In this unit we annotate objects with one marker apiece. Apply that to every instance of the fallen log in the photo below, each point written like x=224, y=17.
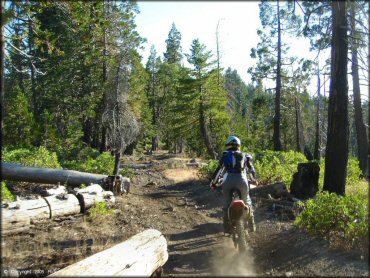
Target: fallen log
x=60, y=189
x=141, y=255
x=36, y=209
x=15, y=172
x=14, y=220
x=62, y=205
x=94, y=193
x=276, y=190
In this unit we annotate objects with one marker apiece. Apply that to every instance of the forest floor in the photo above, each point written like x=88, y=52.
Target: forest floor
x=169, y=196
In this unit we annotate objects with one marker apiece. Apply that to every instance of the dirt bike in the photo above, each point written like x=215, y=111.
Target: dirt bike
x=238, y=213
x=238, y=216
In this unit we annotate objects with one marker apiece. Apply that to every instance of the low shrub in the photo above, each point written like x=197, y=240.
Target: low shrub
x=6, y=195
x=207, y=171
x=355, y=184
x=330, y=213
x=274, y=166
x=127, y=172
x=38, y=157
x=103, y=164
x=101, y=208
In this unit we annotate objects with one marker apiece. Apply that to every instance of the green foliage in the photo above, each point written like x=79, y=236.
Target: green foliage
x=6, y=195
x=271, y=166
x=101, y=208
x=354, y=182
x=103, y=164
x=353, y=172
x=206, y=171
x=19, y=121
x=127, y=172
x=38, y=157
x=330, y=213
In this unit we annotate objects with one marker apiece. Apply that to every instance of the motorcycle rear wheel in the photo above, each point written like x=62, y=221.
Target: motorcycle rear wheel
x=241, y=233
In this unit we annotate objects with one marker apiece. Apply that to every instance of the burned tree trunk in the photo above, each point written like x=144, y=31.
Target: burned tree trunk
x=317, y=153
x=305, y=182
x=336, y=153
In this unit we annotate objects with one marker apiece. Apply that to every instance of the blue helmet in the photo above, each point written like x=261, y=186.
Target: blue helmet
x=233, y=141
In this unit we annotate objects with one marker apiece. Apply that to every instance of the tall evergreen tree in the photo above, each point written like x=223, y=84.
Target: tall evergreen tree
x=270, y=51
x=199, y=58
x=173, y=53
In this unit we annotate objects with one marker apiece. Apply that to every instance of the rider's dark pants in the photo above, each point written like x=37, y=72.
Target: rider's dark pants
x=235, y=181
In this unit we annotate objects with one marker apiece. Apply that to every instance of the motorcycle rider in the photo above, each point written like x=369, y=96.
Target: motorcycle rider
x=235, y=177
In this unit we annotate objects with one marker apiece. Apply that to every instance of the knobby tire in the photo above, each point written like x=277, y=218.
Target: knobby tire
x=240, y=231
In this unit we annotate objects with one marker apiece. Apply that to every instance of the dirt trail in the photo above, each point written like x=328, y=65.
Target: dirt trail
x=168, y=196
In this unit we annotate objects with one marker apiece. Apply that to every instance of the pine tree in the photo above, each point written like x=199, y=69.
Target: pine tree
x=173, y=53
x=271, y=50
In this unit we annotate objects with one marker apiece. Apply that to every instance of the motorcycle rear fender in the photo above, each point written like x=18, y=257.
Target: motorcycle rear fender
x=237, y=205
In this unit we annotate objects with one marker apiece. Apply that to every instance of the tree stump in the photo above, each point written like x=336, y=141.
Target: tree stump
x=305, y=183
x=141, y=255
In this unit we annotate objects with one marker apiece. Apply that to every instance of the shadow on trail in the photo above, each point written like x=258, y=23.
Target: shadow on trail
x=195, y=190
x=206, y=251
x=190, y=251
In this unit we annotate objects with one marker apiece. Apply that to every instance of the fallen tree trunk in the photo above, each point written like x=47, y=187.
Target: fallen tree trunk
x=276, y=190
x=15, y=172
x=60, y=189
x=94, y=193
x=14, y=220
x=17, y=216
x=141, y=255
x=62, y=205
x=36, y=209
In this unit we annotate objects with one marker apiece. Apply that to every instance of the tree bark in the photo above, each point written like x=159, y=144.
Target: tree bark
x=103, y=143
x=67, y=205
x=141, y=255
x=204, y=132
x=299, y=126
x=316, y=153
x=276, y=135
x=305, y=183
x=362, y=144
x=117, y=162
x=336, y=153
x=14, y=221
x=2, y=7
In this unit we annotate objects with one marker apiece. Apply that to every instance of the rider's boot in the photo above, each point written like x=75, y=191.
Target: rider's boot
x=226, y=223
x=251, y=225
